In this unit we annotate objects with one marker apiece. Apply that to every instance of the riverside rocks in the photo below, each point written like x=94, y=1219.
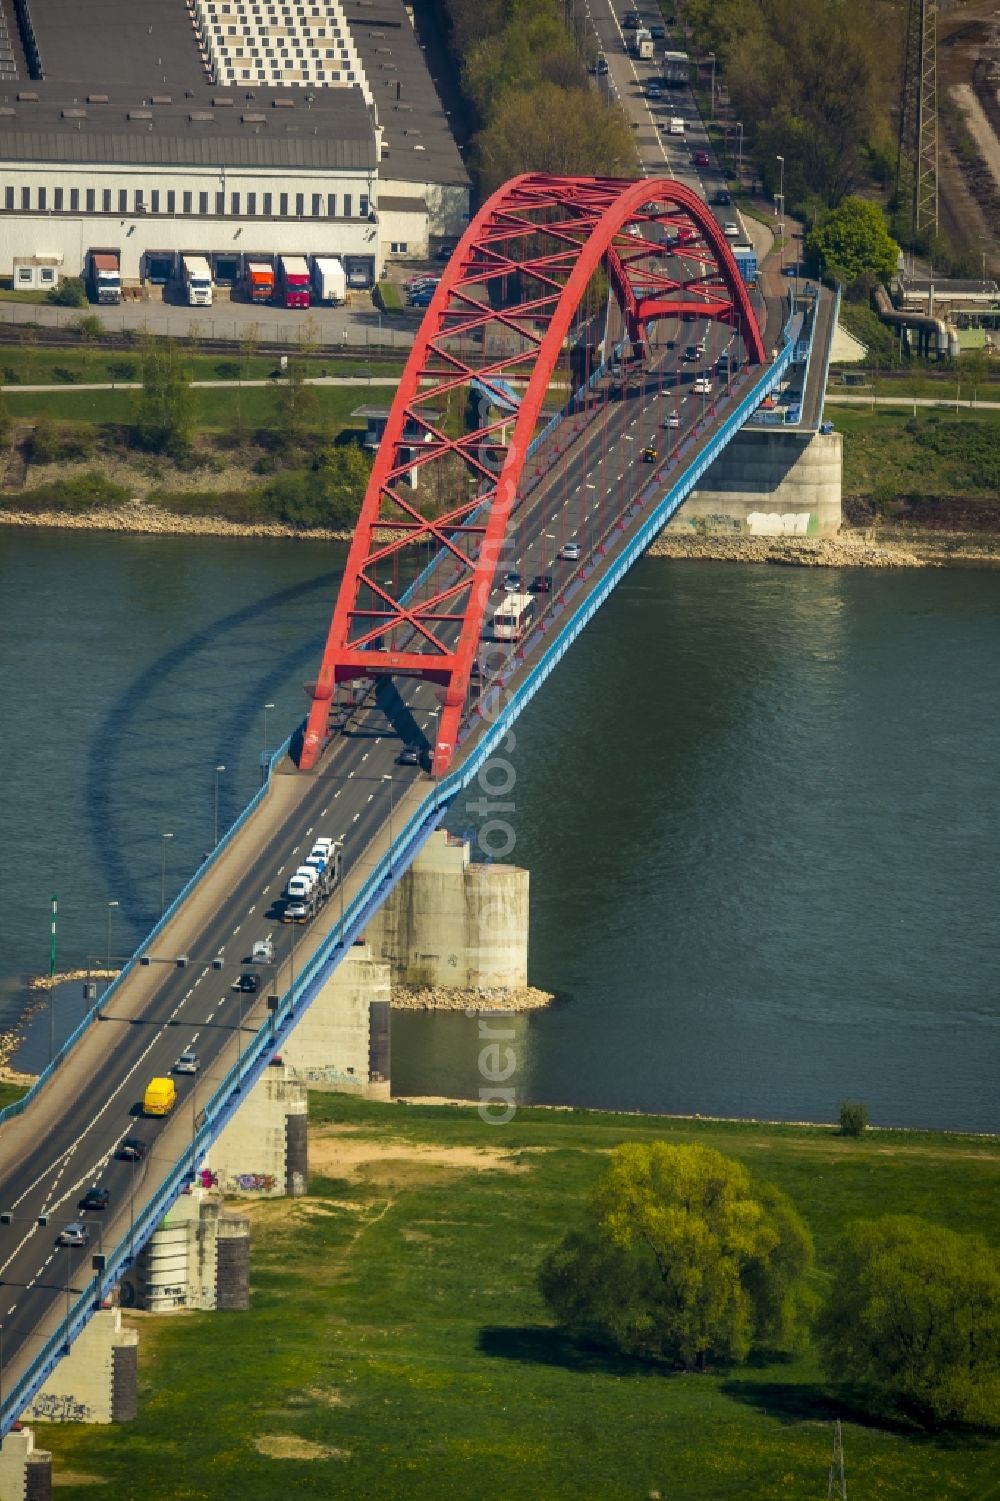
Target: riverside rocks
x=440, y=998
x=141, y=518
x=800, y=552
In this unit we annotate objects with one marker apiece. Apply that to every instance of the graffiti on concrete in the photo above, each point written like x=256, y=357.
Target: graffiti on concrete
x=208, y=1179
x=60, y=1407
x=255, y=1182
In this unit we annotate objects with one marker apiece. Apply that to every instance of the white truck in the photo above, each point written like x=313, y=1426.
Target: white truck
x=329, y=280
x=641, y=45
x=197, y=277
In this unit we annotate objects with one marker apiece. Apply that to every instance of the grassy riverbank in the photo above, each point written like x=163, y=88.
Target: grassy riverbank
x=397, y=1346
x=936, y=468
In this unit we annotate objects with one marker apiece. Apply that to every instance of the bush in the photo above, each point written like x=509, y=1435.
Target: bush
x=60, y=442
x=228, y=370
x=853, y=1117
x=89, y=326
x=70, y=292
x=83, y=492
x=122, y=369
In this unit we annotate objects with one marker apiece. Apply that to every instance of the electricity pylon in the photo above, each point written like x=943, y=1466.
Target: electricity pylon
x=917, y=147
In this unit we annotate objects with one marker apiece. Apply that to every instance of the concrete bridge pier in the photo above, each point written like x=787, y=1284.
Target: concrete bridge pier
x=769, y=482
x=25, y=1472
x=97, y=1381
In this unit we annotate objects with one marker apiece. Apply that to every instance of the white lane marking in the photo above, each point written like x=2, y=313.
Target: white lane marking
x=370, y=796
x=355, y=818
x=266, y=889
x=323, y=814
x=252, y=909
x=89, y=1127
x=308, y=832
x=338, y=792
x=591, y=487
x=350, y=773
x=365, y=756
x=237, y=929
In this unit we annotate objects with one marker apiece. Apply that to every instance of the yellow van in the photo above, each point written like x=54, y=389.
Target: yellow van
x=159, y=1097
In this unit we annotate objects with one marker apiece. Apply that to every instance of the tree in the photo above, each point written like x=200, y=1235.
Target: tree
x=547, y=129
x=294, y=405
x=852, y=241
x=328, y=493
x=684, y=1260
x=164, y=409
x=853, y=1117
x=912, y=1322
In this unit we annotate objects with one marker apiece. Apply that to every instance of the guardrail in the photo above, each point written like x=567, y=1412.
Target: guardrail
x=386, y=872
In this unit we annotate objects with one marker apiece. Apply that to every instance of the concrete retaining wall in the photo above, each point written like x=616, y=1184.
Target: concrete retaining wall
x=769, y=483
x=25, y=1472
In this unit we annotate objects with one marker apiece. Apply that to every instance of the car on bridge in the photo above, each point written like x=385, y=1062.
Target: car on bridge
x=132, y=1149
x=731, y=230
x=512, y=580
x=702, y=386
x=570, y=552
x=649, y=454
x=409, y=756
x=96, y=1197
x=672, y=419
x=541, y=583
x=73, y=1235
x=248, y=982
x=188, y=1063
x=631, y=20
x=702, y=159
x=658, y=31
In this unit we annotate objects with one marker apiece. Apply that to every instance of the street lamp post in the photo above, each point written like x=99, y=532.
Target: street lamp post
x=218, y=772
x=739, y=157
x=164, y=839
x=781, y=199
x=711, y=57
x=339, y=847
x=263, y=758
x=387, y=778
x=107, y=956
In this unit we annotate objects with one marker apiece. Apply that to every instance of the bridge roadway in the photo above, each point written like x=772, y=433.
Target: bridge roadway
x=66, y=1139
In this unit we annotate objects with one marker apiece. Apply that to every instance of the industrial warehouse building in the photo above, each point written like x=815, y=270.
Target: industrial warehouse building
x=225, y=128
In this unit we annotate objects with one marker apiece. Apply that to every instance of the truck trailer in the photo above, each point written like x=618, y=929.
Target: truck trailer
x=258, y=279
x=293, y=281
x=104, y=276
x=196, y=275
x=676, y=68
x=641, y=45
x=329, y=280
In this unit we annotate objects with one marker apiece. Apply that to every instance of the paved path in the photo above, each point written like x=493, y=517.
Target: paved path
x=970, y=404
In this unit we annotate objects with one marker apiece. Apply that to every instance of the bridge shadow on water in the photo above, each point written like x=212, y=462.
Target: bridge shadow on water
x=120, y=731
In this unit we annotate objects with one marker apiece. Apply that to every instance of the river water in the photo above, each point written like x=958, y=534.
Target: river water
x=759, y=807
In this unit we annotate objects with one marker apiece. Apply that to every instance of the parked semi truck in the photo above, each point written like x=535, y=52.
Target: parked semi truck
x=104, y=276
x=293, y=281
x=329, y=280
x=259, y=281
x=197, y=277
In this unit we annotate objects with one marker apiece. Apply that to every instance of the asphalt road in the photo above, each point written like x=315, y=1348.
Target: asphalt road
x=573, y=490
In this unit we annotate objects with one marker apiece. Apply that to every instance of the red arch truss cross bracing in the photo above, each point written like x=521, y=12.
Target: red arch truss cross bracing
x=445, y=481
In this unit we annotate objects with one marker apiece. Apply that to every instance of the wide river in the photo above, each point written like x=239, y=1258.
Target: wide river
x=759, y=807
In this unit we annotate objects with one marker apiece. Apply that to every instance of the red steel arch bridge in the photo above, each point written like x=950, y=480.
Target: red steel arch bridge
x=551, y=276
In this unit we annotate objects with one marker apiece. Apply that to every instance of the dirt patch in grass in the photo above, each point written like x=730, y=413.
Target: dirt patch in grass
x=288, y=1446
x=76, y=1477
x=339, y=1154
